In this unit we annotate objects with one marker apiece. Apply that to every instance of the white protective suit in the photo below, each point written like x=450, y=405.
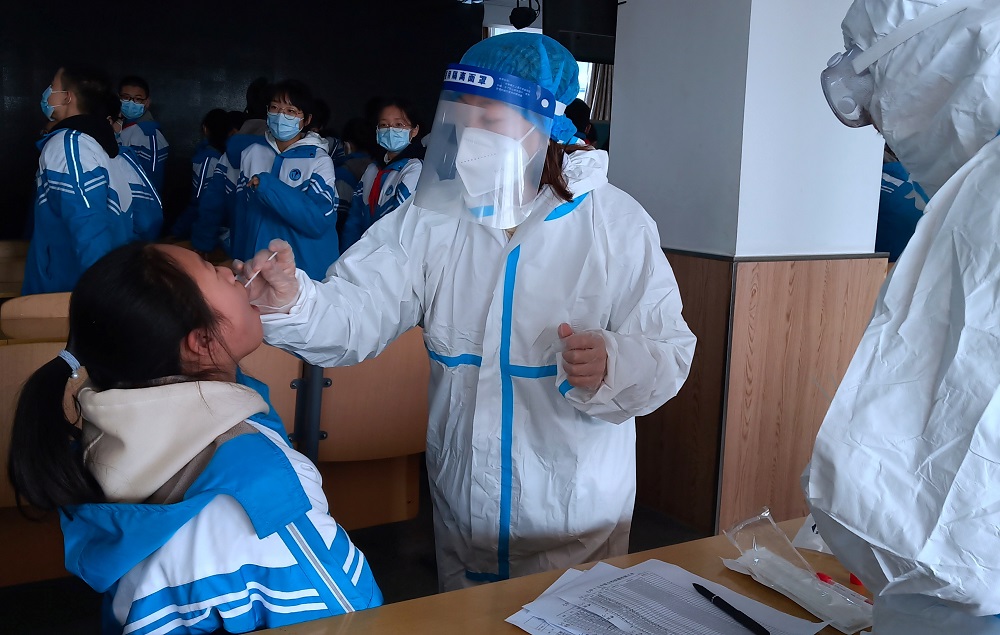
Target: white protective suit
x=526, y=473
x=904, y=481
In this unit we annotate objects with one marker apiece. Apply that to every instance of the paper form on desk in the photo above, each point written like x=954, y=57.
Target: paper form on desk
x=535, y=625
x=655, y=598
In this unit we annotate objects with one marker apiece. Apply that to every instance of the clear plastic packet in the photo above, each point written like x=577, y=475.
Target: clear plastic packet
x=768, y=557
x=809, y=538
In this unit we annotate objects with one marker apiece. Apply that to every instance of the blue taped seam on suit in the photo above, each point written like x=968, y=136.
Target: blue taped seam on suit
x=566, y=208
x=452, y=361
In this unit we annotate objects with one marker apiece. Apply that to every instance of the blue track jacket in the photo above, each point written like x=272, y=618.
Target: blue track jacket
x=142, y=202
x=149, y=145
x=203, y=164
x=295, y=201
x=77, y=215
x=250, y=546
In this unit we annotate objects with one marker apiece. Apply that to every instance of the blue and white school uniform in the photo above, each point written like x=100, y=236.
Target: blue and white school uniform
x=217, y=204
x=144, y=204
x=382, y=190
x=150, y=146
x=249, y=544
x=206, y=157
x=78, y=215
x=295, y=201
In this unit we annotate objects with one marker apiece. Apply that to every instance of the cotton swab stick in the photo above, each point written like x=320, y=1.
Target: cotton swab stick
x=256, y=273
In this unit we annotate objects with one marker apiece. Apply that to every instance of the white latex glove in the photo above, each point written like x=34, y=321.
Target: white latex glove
x=275, y=289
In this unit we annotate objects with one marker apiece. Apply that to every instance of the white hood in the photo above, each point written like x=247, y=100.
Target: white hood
x=936, y=95
x=135, y=440
x=585, y=171
x=308, y=139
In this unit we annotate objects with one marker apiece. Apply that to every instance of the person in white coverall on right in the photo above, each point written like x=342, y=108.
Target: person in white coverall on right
x=904, y=482
x=550, y=315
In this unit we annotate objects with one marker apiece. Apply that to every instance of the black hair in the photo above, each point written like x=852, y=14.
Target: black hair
x=579, y=113
x=237, y=119
x=357, y=132
x=134, y=80
x=113, y=105
x=321, y=115
x=128, y=316
x=409, y=111
x=258, y=95
x=90, y=86
x=218, y=124
x=297, y=94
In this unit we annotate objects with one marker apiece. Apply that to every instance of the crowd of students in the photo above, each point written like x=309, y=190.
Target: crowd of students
x=273, y=170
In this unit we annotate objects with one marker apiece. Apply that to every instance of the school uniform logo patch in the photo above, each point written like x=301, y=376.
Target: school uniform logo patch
x=295, y=174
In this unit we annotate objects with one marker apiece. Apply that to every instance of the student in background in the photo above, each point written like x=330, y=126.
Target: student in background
x=213, y=227
x=137, y=197
x=77, y=216
x=900, y=206
x=579, y=113
x=141, y=132
x=227, y=525
x=392, y=177
x=216, y=128
x=321, y=126
x=350, y=168
x=285, y=186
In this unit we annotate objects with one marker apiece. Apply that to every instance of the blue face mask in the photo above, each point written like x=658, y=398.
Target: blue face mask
x=283, y=127
x=132, y=110
x=393, y=139
x=47, y=108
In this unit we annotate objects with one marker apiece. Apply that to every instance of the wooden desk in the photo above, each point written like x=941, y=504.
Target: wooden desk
x=483, y=609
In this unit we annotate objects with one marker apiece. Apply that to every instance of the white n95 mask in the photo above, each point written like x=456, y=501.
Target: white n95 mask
x=488, y=161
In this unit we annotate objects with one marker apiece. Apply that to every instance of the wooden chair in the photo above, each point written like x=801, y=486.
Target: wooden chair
x=29, y=550
x=42, y=316
x=13, y=255
x=375, y=417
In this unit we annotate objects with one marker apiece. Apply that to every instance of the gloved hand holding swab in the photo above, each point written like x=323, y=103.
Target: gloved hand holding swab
x=257, y=273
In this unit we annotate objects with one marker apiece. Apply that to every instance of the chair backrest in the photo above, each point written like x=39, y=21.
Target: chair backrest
x=378, y=408
x=13, y=256
x=42, y=316
x=13, y=249
x=277, y=369
x=18, y=360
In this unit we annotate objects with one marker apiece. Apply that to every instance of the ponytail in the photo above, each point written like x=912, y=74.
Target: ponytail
x=45, y=464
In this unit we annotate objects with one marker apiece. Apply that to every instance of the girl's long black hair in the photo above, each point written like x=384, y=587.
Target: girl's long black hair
x=128, y=315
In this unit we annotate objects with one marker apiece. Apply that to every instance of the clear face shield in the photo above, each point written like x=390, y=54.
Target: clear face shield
x=486, y=149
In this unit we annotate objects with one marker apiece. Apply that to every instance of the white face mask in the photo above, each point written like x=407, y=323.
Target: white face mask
x=487, y=161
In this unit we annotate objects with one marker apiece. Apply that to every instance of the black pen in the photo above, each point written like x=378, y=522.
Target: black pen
x=732, y=611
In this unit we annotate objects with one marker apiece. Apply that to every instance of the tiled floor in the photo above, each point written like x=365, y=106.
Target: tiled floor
x=401, y=556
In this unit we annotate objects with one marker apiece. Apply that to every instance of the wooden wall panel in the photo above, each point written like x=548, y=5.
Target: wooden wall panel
x=795, y=327
x=678, y=445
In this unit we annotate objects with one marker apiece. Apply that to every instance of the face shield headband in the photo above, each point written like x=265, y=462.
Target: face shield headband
x=847, y=81
x=486, y=150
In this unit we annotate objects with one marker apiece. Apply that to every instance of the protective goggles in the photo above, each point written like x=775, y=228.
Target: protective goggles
x=847, y=81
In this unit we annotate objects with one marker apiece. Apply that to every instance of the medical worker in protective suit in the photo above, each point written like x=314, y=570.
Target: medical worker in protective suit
x=550, y=315
x=904, y=481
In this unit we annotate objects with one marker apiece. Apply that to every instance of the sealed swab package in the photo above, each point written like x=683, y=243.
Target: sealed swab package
x=768, y=557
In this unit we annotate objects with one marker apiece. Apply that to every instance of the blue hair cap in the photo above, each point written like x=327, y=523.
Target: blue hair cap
x=536, y=58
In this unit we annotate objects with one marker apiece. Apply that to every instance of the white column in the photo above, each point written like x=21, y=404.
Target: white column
x=721, y=131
